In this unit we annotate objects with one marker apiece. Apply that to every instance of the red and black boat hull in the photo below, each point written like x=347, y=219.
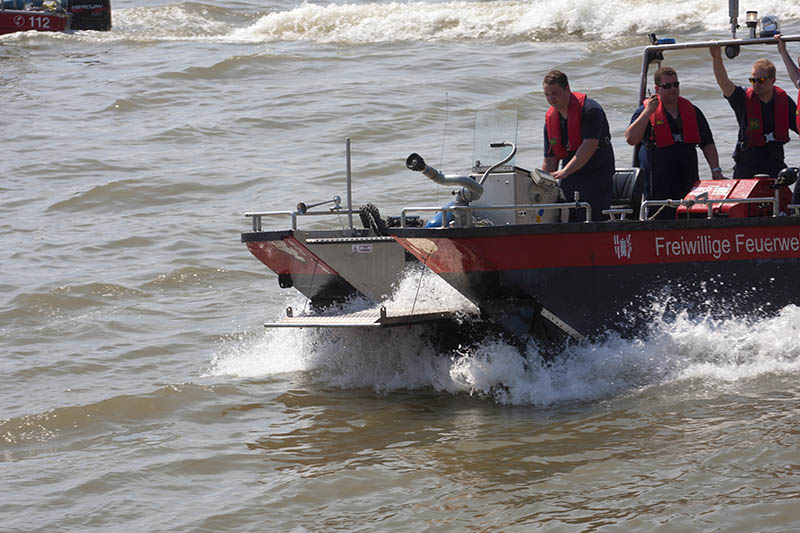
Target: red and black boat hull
x=298, y=267
x=604, y=275
x=330, y=266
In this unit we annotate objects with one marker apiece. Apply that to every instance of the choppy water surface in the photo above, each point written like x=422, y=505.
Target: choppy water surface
x=140, y=391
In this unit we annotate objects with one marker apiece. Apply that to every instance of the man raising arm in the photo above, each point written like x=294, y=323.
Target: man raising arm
x=791, y=68
x=765, y=114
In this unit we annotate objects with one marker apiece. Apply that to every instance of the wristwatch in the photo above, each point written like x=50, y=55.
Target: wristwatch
x=716, y=169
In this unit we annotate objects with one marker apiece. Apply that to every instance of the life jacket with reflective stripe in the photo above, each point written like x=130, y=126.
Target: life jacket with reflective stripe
x=553, y=122
x=755, y=124
x=690, y=132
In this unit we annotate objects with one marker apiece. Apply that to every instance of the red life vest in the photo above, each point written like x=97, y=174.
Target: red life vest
x=689, y=129
x=553, y=121
x=754, y=135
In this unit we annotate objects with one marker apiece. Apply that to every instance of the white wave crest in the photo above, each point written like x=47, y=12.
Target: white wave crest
x=421, y=290
x=171, y=22
x=495, y=21
x=461, y=21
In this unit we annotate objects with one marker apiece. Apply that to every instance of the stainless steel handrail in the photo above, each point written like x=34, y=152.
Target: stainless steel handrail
x=708, y=202
x=469, y=209
x=256, y=215
x=648, y=51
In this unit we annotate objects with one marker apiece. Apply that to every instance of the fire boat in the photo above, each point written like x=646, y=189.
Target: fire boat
x=506, y=245
x=54, y=15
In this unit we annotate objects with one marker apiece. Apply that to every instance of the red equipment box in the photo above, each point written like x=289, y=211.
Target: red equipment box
x=734, y=189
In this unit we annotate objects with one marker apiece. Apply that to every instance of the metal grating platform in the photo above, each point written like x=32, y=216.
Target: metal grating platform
x=369, y=318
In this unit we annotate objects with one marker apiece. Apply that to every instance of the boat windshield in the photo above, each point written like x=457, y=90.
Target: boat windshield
x=494, y=126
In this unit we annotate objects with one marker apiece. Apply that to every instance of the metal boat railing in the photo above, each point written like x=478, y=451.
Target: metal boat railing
x=257, y=215
x=710, y=203
x=468, y=209
x=652, y=53
x=461, y=209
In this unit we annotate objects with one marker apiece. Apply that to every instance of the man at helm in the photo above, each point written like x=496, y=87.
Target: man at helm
x=765, y=114
x=576, y=135
x=667, y=128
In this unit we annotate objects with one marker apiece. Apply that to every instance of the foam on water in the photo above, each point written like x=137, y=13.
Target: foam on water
x=493, y=21
x=421, y=290
x=296, y=350
x=378, y=22
x=674, y=348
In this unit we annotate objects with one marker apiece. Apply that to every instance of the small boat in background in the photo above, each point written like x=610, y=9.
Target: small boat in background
x=54, y=15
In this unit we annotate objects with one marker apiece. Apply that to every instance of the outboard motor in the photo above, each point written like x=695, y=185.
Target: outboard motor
x=90, y=14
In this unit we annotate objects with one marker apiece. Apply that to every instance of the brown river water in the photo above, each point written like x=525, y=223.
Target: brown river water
x=140, y=391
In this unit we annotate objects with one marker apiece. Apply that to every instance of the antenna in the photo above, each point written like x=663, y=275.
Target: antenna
x=444, y=136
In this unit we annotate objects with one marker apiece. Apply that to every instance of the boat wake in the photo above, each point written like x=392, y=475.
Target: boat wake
x=419, y=21
x=502, y=21
x=673, y=348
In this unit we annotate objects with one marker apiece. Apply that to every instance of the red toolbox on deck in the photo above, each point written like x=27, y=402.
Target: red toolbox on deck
x=733, y=189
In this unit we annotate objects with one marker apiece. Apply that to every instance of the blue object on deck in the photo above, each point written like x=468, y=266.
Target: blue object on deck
x=436, y=220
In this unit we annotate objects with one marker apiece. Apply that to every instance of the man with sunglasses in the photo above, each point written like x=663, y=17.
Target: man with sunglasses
x=667, y=129
x=765, y=114
x=576, y=134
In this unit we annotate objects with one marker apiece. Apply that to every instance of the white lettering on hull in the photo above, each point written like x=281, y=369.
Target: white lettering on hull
x=705, y=245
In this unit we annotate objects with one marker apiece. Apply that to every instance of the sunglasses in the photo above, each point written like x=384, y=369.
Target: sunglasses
x=760, y=79
x=675, y=84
